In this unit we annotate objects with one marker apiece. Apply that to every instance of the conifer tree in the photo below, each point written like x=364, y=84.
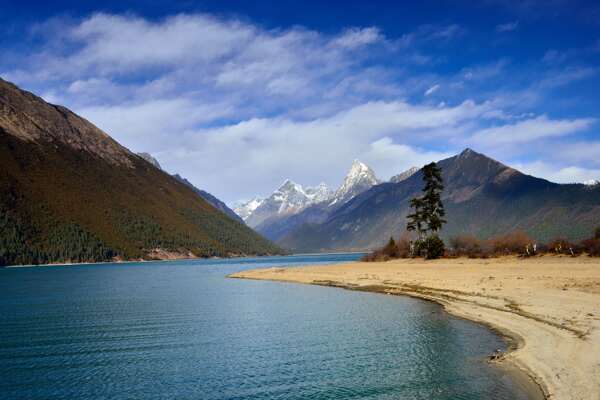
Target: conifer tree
x=428, y=213
x=416, y=220
x=432, y=202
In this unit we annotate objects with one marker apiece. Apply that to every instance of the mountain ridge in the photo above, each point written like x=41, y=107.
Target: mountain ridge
x=69, y=192
x=482, y=197
x=211, y=199
x=273, y=225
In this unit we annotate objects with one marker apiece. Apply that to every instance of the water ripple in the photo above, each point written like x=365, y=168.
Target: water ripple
x=181, y=330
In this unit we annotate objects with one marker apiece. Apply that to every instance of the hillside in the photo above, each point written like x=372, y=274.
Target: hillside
x=209, y=198
x=482, y=197
x=68, y=192
x=212, y=200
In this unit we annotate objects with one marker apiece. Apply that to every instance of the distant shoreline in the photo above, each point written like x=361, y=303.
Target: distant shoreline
x=547, y=306
x=67, y=264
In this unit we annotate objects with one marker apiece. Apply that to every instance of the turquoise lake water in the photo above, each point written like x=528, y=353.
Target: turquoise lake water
x=182, y=330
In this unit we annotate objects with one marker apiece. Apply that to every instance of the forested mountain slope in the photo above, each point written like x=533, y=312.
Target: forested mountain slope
x=69, y=192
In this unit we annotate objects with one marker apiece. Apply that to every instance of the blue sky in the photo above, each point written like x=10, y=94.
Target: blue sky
x=238, y=96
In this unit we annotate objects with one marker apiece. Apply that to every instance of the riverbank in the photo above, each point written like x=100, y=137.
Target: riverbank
x=549, y=305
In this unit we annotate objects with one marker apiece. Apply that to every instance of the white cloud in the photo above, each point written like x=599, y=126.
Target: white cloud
x=432, y=90
x=530, y=130
x=389, y=158
x=563, y=174
x=237, y=108
x=507, y=27
x=585, y=152
x=358, y=37
x=268, y=150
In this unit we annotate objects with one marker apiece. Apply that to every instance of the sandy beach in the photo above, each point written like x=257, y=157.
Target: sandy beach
x=549, y=305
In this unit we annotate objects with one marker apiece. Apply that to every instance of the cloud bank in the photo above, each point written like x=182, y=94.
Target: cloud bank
x=237, y=108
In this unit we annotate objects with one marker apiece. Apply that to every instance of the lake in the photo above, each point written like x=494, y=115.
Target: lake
x=182, y=330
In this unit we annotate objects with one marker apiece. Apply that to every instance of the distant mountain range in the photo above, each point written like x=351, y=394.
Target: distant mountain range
x=69, y=192
x=291, y=205
x=482, y=197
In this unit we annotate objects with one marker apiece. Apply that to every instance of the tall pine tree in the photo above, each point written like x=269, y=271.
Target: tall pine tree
x=428, y=213
x=432, y=198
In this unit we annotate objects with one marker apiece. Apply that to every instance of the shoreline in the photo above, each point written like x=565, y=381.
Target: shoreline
x=545, y=307
x=68, y=264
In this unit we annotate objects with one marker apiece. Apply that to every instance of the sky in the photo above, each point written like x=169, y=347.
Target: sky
x=238, y=96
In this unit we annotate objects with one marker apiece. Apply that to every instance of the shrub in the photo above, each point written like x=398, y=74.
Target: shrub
x=592, y=247
x=390, y=248
x=393, y=249
x=403, y=246
x=432, y=247
x=516, y=242
x=562, y=246
x=371, y=257
x=468, y=245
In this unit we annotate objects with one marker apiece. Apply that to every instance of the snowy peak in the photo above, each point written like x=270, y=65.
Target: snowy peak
x=289, y=186
x=359, y=178
x=289, y=197
x=246, y=208
x=404, y=175
x=358, y=168
x=319, y=193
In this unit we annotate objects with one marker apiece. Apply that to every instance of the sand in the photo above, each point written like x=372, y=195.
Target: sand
x=549, y=305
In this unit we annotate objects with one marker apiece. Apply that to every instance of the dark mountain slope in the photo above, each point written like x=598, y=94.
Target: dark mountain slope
x=212, y=200
x=482, y=197
x=276, y=227
x=68, y=192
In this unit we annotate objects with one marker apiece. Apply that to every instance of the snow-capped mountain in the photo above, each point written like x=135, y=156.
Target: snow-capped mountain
x=245, y=208
x=319, y=193
x=359, y=178
x=289, y=198
x=404, y=175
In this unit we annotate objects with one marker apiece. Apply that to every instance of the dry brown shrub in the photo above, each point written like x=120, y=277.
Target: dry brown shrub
x=403, y=246
x=591, y=247
x=515, y=242
x=561, y=246
x=464, y=245
x=393, y=249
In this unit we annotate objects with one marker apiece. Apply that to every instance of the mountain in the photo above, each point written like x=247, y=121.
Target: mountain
x=482, y=197
x=69, y=192
x=245, y=208
x=318, y=193
x=358, y=179
x=148, y=157
x=210, y=199
x=404, y=175
x=289, y=199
